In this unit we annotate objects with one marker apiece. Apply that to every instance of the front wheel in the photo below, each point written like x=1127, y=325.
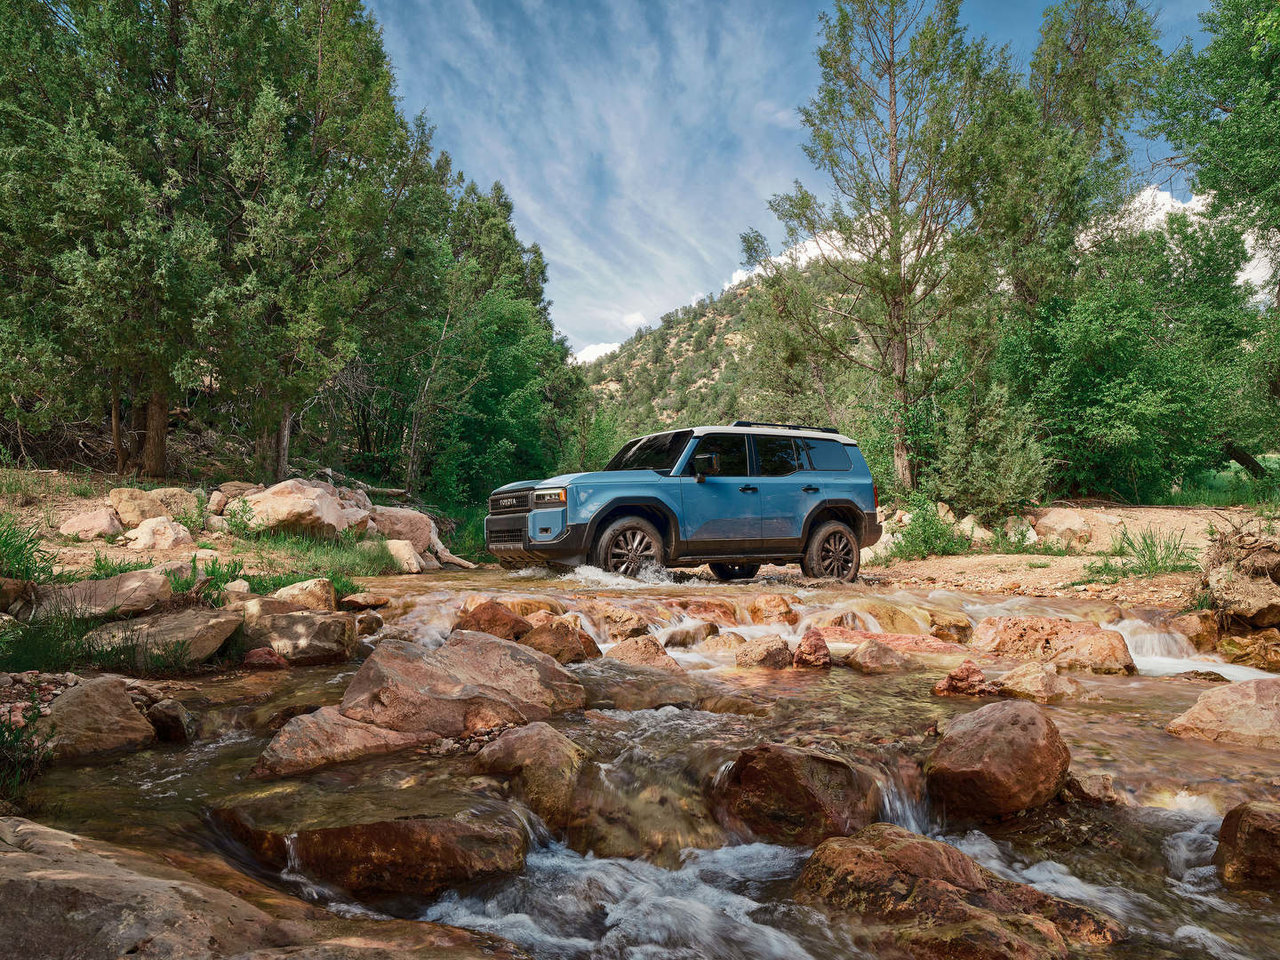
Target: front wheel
x=833, y=553
x=734, y=571
x=628, y=546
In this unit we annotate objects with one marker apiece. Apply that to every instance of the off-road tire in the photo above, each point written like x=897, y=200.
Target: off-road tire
x=832, y=553
x=627, y=546
x=734, y=571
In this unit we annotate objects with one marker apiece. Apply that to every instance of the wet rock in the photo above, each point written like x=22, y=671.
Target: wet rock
x=772, y=608
x=950, y=627
x=94, y=524
x=876, y=615
x=1248, y=854
x=159, y=533
x=126, y=595
x=1200, y=627
x=902, y=642
x=264, y=658
x=422, y=856
x=915, y=897
x=719, y=611
x=966, y=680
x=523, y=605
x=873, y=657
x=172, y=721
x=184, y=636
x=1247, y=712
x=543, y=765
x=1208, y=676
x=67, y=896
x=363, y=601
x=1040, y=682
x=96, y=718
x=1063, y=527
x=1000, y=759
x=324, y=737
x=613, y=684
x=785, y=794
x=689, y=635
x=1070, y=644
x=401, y=523
x=134, y=506
x=1093, y=790
x=1259, y=649
x=771, y=651
x=726, y=642
x=561, y=638
x=644, y=651
x=306, y=637
x=494, y=619
x=617, y=622
x=474, y=682
x=317, y=594
x=368, y=623
x=812, y=651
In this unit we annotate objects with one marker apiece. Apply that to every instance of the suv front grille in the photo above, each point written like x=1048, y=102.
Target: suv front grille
x=506, y=536
x=515, y=502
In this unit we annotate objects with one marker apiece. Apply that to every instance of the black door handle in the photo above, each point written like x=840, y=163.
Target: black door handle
x=810, y=489
x=748, y=489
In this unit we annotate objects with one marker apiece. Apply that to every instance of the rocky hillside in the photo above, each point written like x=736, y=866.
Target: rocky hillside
x=689, y=369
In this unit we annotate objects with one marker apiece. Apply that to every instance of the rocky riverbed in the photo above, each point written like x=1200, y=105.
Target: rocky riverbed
x=771, y=769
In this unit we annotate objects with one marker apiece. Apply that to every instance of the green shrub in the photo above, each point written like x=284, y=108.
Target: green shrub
x=105, y=567
x=22, y=754
x=21, y=556
x=927, y=535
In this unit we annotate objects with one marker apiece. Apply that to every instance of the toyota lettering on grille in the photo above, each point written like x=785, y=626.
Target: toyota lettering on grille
x=508, y=502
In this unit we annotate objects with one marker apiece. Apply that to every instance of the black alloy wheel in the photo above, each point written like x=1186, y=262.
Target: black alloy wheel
x=629, y=546
x=833, y=553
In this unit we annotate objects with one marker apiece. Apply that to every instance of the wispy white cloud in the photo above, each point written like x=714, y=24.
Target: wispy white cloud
x=594, y=352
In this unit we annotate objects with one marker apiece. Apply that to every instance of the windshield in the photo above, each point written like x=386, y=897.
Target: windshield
x=659, y=452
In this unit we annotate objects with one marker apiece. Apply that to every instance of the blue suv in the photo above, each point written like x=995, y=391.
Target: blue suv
x=731, y=497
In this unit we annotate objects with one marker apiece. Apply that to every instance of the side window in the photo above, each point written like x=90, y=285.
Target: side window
x=826, y=454
x=777, y=456
x=730, y=450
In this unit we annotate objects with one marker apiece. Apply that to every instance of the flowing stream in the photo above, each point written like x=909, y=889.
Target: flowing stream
x=685, y=888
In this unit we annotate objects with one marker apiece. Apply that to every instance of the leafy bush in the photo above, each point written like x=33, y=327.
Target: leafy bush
x=21, y=556
x=927, y=535
x=22, y=755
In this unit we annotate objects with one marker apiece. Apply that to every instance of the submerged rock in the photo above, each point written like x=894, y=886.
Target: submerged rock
x=1248, y=854
x=873, y=657
x=786, y=794
x=1247, y=712
x=1000, y=759
x=919, y=898
x=689, y=635
x=172, y=721
x=1040, y=682
x=543, y=765
x=771, y=608
x=325, y=736
x=95, y=718
x=1070, y=644
x=966, y=680
x=613, y=684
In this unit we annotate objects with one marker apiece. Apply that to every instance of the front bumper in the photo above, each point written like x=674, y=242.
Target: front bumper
x=519, y=537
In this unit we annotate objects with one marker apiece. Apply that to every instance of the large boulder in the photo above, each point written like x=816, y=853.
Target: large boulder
x=159, y=533
x=770, y=608
x=67, y=896
x=305, y=637
x=563, y=639
x=316, y=594
x=94, y=524
x=126, y=595
x=1040, y=682
x=474, y=682
x=1063, y=527
x=612, y=684
x=790, y=795
x=1070, y=644
x=910, y=896
x=133, y=506
x=771, y=651
x=1260, y=649
x=644, y=651
x=1248, y=854
x=325, y=736
x=421, y=856
x=96, y=718
x=494, y=619
x=1200, y=627
x=1247, y=712
x=301, y=507
x=1000, y=759
x=192, y=635
x=1242, y=576
x=401, y=523
x=543, y=765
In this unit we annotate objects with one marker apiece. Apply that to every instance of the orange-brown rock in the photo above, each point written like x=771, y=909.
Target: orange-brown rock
x=812, y=651
x=1248, y=854
x=644, y=651
x=715, y=609
x=771, y=651
x=772, y=608
x=1247, y=712
x=1071, y=644
x=494, y=619
x=873, y=657
x=543, y=765
x=561, y=638
x=966, y=680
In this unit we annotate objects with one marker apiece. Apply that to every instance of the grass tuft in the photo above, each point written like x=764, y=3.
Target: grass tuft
x=22, y=754
x=1151, y=554
x=21, y=556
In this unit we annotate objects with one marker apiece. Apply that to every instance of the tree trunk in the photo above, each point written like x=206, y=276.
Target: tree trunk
x=154, y=460
x=1242, y=456
x=117, y=436
x=284, y=434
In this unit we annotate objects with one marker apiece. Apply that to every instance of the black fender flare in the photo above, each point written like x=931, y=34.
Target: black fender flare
x=593, y=526
x=842, y=504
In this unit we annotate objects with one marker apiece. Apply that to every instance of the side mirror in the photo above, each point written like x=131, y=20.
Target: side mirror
x=705, y=463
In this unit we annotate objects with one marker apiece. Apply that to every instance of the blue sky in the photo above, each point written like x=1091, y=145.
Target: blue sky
x=637, y=138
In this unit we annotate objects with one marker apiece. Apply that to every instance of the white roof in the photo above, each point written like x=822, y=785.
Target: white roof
x=768, y=431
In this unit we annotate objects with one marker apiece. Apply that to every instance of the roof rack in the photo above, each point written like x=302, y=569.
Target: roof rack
x=784, y=426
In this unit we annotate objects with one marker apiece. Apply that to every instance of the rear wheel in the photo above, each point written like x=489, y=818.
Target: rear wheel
x=734, y=571
x=627, y=546
x=832, y=553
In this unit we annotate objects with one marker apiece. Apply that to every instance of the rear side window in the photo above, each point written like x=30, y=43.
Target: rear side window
x=778, y=456
x=731, y=451
x=826, y=454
